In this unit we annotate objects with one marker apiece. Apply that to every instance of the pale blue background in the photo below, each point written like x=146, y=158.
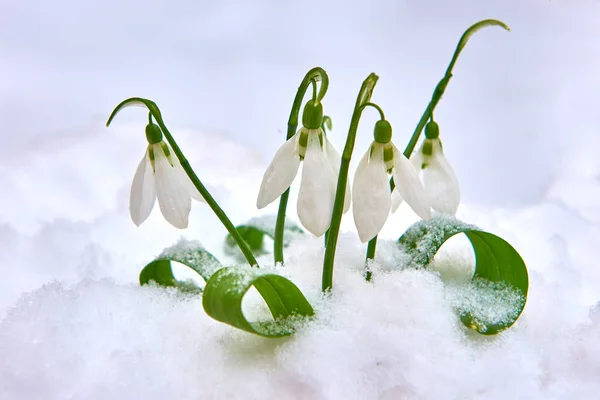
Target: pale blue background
x=517, y=101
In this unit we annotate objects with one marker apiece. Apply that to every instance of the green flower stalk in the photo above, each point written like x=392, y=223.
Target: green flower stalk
x=435, y=98
x=364, y=95
x=321, y=162
x=185, y=165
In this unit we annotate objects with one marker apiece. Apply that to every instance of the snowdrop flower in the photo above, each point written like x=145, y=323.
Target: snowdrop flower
x=319, y=173
x=438, y=176
x=371, y=188
x=160, y=174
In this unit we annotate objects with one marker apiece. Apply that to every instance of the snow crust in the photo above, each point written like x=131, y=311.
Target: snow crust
x=397, y=337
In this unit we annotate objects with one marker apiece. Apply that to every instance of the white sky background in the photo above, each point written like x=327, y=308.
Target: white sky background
x=517, y=102
x=519, y=120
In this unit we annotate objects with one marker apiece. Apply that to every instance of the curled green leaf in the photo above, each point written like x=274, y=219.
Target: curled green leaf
x=256, y=230
x=225, y=291
x=500, y=272
x=253, y=236
x=188, y=253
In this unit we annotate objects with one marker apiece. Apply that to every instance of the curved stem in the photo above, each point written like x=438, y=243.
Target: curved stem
x=375, y=106
x=443, y=83
x=435, y=98
x=364, y=95
x=314, y=75
x=155, y=112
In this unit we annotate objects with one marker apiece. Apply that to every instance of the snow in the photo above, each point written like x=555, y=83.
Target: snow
x=487, y=303
x=95, y=337
x=519, y=124
x=191, y=253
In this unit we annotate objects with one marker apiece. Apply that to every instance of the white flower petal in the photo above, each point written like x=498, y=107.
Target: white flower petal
x=410, y=187
x=371, y=198
x=172, y=190
x=441, y=184
x=143, y=193
x=396, y=200
x=281, y=172
x=317, y=189
x=194, y=193
x=416, y=158
x=185, y=178
x=417, y=161
x=335, y=161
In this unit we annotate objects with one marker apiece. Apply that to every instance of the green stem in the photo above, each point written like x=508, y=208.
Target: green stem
x=314, y=75
x=435, y=98
x=370, y=256
x=155, y=112
x=338, y=206
x=443, y=83
x=375, y=106
x=314, y=90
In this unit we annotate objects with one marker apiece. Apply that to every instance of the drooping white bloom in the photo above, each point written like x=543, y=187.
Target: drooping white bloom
x=441, y=185
x=319, y=178
x=159, y=174
x=371, y=188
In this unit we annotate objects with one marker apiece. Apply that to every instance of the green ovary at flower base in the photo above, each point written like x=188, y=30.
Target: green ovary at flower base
x=371, y=190
x=319, y=174
x=439, y=179
x=160, y=175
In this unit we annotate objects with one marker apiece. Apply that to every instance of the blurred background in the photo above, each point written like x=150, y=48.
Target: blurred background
x=519, y=119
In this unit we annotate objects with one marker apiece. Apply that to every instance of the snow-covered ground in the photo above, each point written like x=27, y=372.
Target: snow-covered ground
x=519, y=122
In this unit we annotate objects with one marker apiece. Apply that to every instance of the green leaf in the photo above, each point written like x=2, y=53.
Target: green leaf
x=499, y=270
x=474, y=28
x=461, y=45
x=188, y=253
x=251, y=235
x=366, y=90
x=137, y=102
x=225, y=290
x=254, y=232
